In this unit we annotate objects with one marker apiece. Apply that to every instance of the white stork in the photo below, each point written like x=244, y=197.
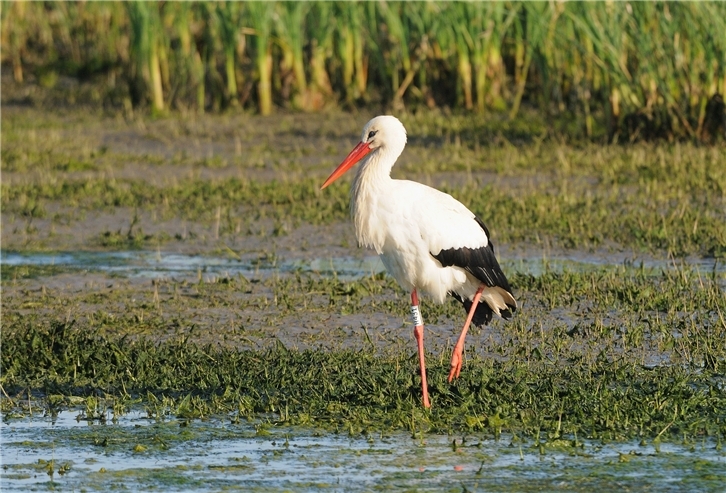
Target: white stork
x=428, y=240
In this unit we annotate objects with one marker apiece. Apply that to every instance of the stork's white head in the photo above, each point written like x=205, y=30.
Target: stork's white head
x=383, y=135
x=385, y=131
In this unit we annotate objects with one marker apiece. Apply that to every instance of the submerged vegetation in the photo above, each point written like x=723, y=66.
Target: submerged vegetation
x=622, y=70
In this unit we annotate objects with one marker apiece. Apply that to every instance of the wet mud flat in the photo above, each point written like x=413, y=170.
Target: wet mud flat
x=186, y=277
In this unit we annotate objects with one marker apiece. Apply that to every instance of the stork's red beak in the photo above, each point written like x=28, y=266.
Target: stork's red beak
x=355, y=155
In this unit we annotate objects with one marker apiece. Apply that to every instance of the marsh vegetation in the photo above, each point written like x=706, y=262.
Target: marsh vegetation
x=184, y=185
x=616, y=249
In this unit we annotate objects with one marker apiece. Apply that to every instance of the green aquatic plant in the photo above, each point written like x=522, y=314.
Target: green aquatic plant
x=607, y=353
x=357, y=390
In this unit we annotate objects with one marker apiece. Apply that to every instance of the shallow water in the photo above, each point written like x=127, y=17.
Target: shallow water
x=138, y=453
x=165, y=265
x=148, y=264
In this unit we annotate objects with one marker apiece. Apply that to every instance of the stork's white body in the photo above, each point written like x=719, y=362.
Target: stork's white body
x=404, y=222
x=427, y=240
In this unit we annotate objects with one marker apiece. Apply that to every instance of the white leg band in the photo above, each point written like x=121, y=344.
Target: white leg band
x=416, y=314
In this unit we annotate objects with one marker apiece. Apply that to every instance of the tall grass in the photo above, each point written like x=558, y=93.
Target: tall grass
x=147, y=49
x=260, y=16
x=640, y=69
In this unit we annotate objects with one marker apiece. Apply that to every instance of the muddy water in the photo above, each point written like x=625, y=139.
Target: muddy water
x=70, y=453
x=162, y=265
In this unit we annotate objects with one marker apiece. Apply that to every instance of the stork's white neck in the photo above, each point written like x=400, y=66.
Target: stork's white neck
x=372, y=183
x=375, y=169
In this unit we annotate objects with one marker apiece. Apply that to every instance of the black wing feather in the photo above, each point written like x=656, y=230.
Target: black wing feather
x=482, y=264
x=483, y=313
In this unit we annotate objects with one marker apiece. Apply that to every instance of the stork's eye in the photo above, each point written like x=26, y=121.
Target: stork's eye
x=372, y=134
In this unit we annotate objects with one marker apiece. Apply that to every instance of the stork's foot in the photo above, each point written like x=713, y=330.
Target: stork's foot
x=457, y=358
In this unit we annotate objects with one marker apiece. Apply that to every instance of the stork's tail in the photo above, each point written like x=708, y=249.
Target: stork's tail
x=494, y=300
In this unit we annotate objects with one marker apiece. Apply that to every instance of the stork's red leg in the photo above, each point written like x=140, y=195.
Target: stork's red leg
x=457, y=355
x=418, y=332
